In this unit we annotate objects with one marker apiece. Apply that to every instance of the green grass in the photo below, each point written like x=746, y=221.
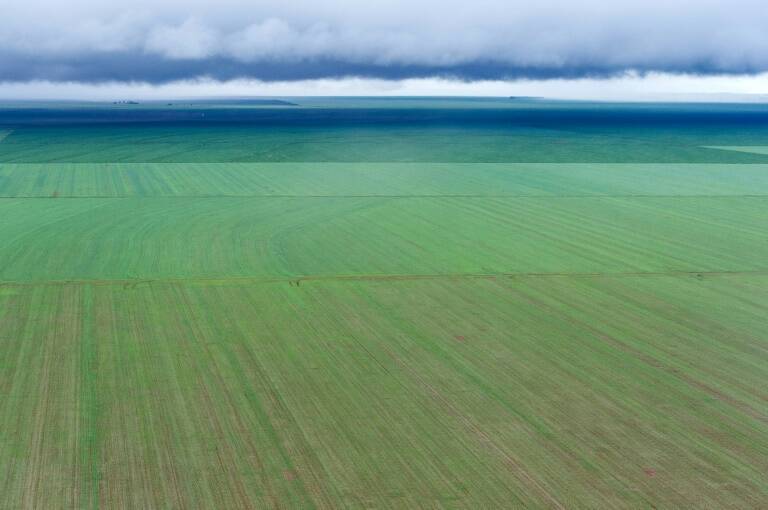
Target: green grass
x=382, y=316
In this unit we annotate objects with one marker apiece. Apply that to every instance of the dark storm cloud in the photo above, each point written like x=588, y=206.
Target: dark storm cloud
x=169, y=40
x=130, y=68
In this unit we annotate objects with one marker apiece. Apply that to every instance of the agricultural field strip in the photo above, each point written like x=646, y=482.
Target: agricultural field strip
x=391, y=179
x=245, y=147
x=510, y=387
x=752, y=149
x=103, y=239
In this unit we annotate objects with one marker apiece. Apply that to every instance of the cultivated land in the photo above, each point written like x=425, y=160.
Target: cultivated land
x=755, y=150
x=510, y=310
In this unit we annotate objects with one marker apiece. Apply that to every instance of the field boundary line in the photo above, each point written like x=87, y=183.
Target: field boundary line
x=525, y=196
x=528, y=165
x=296, y=280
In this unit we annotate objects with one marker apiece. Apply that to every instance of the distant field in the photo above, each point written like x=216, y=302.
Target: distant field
x=328, y=139
x=379, y=179
x=338, y=308
x=752, y=150
x=177, y=238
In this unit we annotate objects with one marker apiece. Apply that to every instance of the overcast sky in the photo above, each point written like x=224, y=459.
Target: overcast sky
x=175, y=47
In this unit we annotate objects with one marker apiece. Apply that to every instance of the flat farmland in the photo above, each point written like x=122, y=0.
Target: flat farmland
x=108, y=180
x=471, y=392
x=177, y=238
x=350, y=308
x=375, y=135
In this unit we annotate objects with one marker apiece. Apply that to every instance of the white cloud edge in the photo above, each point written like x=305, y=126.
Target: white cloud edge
x=632, y=87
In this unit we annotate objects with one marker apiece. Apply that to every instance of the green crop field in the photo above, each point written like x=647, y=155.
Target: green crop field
x=460, y=315
x=751, y=149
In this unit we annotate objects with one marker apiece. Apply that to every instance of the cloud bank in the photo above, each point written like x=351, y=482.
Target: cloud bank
x=163, y=41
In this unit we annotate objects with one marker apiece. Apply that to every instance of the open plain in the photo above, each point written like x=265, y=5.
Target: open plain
x=384, y=304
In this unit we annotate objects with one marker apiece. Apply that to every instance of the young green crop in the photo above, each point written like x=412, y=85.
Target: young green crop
x=411, y=313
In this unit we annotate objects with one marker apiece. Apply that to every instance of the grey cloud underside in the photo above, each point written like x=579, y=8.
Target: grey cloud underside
x=126, y=67
x=123, y=67
x=158, y=41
